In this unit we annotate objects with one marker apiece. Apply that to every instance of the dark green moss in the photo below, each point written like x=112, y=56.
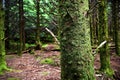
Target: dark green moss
x=76, y=57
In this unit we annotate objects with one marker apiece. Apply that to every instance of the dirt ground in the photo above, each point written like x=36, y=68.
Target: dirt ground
x=30, y=67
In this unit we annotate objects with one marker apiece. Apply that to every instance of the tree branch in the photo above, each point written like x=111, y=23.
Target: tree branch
x=56, y=40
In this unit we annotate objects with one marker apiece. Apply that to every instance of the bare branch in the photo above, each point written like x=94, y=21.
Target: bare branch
x=53, y=35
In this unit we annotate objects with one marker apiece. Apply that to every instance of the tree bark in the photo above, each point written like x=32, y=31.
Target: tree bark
x=76, y=57
x=21, y=27
x=116, y=22
x=7, y=32
x=93, y=21
x=103, y=35
x=3, y=65
x=38, y=43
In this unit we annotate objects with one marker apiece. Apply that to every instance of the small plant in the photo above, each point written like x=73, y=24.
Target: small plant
x=44, y=45
x=47, y=61
x=13, y=79
x=29, y=45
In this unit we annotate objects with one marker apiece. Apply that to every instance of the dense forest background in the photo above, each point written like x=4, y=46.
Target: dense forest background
x=41, y=29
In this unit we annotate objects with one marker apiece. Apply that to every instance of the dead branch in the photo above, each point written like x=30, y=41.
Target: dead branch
x=56, y=40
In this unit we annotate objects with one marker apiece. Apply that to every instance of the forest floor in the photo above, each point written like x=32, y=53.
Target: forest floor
x=45, y=65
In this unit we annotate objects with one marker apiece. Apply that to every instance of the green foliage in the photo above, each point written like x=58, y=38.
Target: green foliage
x=48, y=18
x=3, y=68
x=29, y=45
x=44, y=45
x=47, y=11
x=47, y=61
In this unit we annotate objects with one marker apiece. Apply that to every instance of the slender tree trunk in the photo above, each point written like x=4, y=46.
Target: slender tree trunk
x=116, y=25
x=114, y=18
x=93, y=21
x=7, y=32
x=103, y=35
x=21, y=27
x=2, y=39
x=38, y=43
x=76, y=57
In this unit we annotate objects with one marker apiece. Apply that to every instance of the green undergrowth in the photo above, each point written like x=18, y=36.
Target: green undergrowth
x=44, y=45
x=108, y=74
x=13, y=79
x=4, y=69
x=29, y=45
x=49, y=61
x=57, y=47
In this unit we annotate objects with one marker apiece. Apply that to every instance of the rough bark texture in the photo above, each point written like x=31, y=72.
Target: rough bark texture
x=76, y=57
x=38, y=43
x=103, y=35
x=2, y=40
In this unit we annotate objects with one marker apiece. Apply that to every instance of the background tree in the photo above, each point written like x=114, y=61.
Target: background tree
x=93, y=5
x=2, y=38
x=7, y=32
x=38, y=43
x=21, y=27
x=76, y=57
x=103, y=35
x=116, y=26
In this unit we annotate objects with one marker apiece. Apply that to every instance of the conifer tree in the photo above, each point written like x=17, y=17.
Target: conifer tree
x=103, y=35
x=76, y=57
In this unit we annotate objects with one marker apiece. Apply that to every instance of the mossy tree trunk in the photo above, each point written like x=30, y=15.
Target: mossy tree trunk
x=2, y=39
x=38, y=43
x=116, y=20
x=76, y=57
x=93, y=21
x=103, y=35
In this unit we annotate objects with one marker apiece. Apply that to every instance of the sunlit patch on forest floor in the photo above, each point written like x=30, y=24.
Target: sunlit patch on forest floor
x=45, y=65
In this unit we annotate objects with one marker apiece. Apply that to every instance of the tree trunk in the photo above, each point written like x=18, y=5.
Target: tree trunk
x=7, y=32
x=2, y=39
x=103, y=35
x=116, y=20
x=76, y=57
x=113, y=18
x=21, y=27
x=93, y=21
x=38, y=43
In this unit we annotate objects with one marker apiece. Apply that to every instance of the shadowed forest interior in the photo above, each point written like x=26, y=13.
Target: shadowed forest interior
x=59, y=40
